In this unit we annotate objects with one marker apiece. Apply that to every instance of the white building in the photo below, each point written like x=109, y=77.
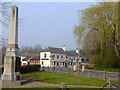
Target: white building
x=24, y=60
x=29, y=58
x=58, y=57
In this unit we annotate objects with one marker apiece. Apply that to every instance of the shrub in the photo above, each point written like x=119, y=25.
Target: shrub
x=107, y=58
x=29, y=68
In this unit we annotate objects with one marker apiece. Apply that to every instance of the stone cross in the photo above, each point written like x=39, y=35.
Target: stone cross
x=11, y=57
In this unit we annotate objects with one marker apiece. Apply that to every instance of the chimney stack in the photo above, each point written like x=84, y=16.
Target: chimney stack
x=77, y=50
x=64, y=48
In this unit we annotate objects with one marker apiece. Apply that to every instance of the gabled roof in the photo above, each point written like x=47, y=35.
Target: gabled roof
x=26, y=58
x=31, y=54
x=61, y=51
x=54, y=50
x=72, y=53
x=35, y=58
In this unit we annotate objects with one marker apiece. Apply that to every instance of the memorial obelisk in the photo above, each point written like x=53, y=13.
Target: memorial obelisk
x=11, y=56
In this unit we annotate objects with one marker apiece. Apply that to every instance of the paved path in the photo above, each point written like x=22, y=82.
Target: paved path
x=43, y=84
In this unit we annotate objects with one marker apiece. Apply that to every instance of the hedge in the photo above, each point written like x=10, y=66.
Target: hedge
x=29, y=68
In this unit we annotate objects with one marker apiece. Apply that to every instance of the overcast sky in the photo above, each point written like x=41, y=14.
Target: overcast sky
x=49, y=23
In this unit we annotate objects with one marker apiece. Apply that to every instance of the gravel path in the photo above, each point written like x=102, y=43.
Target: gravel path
x=44, y=84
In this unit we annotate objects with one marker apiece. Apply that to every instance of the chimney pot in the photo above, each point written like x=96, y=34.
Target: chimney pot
x=64, y=48
x=77, y=50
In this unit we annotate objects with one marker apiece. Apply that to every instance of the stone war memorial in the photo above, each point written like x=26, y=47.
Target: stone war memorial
x=12, y=58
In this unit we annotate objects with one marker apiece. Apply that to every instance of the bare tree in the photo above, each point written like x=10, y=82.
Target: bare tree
x=5, y=12
x=37, y=48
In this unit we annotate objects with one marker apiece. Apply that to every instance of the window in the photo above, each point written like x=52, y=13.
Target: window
x=45, y=55
x=57, y=63
x=61, y=56
x=42, y=62
x=82, y=59
x=52, y=56
x=44, y=59
x=57, y=56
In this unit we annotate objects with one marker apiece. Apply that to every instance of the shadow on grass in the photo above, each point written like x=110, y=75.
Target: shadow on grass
x=52, y=88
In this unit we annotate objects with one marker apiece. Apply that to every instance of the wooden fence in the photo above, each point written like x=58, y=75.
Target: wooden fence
x=114, y=76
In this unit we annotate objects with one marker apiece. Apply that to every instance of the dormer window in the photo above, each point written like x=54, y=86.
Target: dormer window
x=45, y=55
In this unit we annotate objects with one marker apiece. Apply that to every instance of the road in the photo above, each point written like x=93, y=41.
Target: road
x=114, y=76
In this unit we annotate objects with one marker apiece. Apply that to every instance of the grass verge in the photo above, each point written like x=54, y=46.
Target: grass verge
x=57, y=78
x=107, y=69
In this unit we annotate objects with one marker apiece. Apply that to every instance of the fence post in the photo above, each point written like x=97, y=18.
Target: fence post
x=61, y=69
x=68, y=70
x=104, y=75
x=75, y=72
x=63, y=86
x=78, y=72
x=109, y=84
x=43, y=68
x=90, y=73
x=48, y=68
x=54, y=69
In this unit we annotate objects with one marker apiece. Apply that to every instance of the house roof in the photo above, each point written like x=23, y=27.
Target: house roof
x=54, y=50
x=31, y=54
x=35, y=58
x=60, y=51
x=72, y=53
x=26, y=59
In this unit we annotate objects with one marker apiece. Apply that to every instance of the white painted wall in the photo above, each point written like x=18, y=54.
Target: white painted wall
x=58, y=59
x=46, y=63
x=26, y=62
x=22, y=62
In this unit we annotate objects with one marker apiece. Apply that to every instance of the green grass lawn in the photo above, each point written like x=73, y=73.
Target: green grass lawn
x=107, y=69
x=63, y=78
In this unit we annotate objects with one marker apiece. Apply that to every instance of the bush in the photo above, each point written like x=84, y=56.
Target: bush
x=29, y=69
x=96, y=59
x=89, y=66
x=107, y=59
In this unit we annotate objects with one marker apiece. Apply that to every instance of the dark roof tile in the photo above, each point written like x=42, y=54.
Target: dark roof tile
x=35, y=58
x=72, y=53
x=60, y=51
x=26, y=58
x=54, y=50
